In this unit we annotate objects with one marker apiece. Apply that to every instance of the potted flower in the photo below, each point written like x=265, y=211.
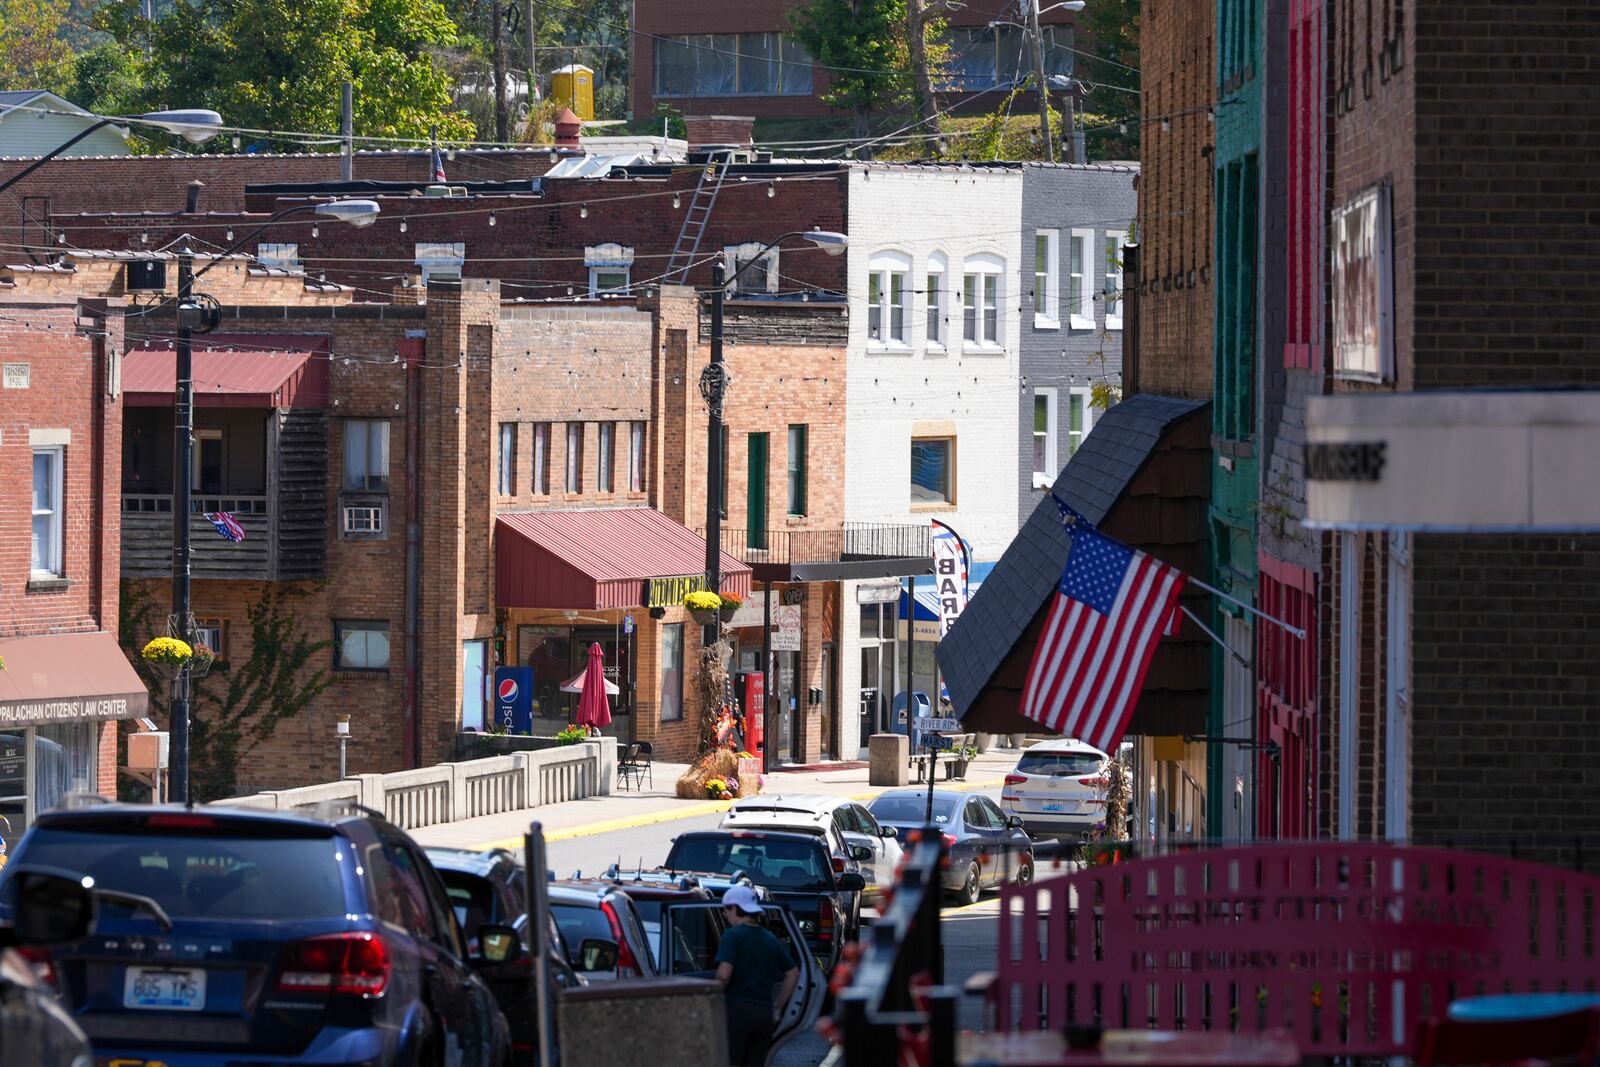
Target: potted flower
x=705, y=608
x=572, y=735
x=201, y=660
x=730, y=605
x=167, y=655
x=960, y=756
x=717, y=789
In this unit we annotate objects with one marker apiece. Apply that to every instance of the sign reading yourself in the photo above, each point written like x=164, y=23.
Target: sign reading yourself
x=17, y=375
x=669, y=592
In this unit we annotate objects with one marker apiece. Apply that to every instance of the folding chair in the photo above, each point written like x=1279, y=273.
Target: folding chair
x=645, y=758
x=628, y=767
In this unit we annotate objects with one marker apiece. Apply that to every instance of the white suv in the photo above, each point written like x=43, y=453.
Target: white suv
x=841, y=820
x=1058, y=788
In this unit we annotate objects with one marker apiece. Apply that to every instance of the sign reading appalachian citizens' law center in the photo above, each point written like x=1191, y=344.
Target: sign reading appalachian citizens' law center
x=66, y=709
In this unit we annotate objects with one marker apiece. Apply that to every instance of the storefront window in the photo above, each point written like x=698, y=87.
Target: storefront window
x=548, y=650
x=672, y=672
x=13, y=786
x=64, y=759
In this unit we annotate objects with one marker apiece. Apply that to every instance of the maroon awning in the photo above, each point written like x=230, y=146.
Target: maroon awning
x=233, y=370
x=67, y=678
x=603, y=558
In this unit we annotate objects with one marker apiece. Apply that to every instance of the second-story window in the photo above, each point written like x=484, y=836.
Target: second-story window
x=980, y=301
x=47, y=517
x=1047, y=279
x=603, y=473
x=1080, y=281
x=887, y=296
x=729, y=64
x=635, y=457
x=366, y=455
x=797, y=469
x=574, y=457
x=610, y=269
x=508, y=459
x=541, y=458
x=936, y=301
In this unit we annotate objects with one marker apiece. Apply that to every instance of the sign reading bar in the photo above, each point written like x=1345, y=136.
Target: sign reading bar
x=71, y=709
x=669, y=592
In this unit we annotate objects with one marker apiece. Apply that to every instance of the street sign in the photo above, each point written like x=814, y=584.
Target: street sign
x=930, y=723
x=938, y=741
x=627, y=624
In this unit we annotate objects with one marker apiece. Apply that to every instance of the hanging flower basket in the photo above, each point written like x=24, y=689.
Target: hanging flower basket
x=200, y=663
x=730, y=605
x=705, y=608
x=168, y=656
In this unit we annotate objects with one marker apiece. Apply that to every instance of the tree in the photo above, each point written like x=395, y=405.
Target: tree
x=1111, y=33
x=278, y=64
x=33, y=51
x=237, y=706
x=863, y=46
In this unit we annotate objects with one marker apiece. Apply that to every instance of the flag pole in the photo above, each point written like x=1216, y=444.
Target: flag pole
x=1209, y=632
x=1070, y=516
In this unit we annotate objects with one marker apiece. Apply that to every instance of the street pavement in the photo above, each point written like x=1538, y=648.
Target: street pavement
x=636, y=828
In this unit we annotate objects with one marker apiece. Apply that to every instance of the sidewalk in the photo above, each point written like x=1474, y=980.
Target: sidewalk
x=656, y=803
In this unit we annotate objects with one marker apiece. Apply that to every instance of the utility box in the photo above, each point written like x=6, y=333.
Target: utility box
x=573, y=85
x=148, y=751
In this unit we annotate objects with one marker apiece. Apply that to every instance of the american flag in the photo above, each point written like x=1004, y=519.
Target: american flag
x=1112, y=606
x=226, y=525
x=438, y=166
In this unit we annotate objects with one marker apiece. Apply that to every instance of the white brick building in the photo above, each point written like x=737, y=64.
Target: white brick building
x=931, y=400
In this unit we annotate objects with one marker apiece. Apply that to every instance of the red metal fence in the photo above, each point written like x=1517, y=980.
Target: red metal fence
x=1346, y=945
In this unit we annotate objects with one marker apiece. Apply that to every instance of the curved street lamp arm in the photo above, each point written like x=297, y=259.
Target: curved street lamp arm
x=53, y=153
x=761, y=255
x=251, y=236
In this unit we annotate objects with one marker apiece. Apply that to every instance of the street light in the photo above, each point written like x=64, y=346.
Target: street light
x=714, y=389
x=356, y=213
x=194, y=125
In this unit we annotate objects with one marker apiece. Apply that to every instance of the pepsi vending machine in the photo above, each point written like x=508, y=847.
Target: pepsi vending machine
x=513, y=699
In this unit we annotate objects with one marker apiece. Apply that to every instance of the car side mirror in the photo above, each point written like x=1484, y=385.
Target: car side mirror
x=597, y=956
x=51, y=909
x=850, y=882
x=888, y=831
x=499, y=944
x=1014, y=821
x=861, y=852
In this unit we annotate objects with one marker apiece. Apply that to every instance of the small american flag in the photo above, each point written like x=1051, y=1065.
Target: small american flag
x=226, y=525
x=1112, y=606
x=438, y=166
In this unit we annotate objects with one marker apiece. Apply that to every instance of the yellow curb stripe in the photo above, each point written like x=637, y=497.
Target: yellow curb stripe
x=685, y=811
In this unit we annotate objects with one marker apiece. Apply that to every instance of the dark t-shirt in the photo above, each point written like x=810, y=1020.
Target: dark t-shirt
x=759, y=962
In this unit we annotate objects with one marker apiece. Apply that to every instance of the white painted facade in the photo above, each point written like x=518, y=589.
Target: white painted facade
x=901, y=386
x=40, y=124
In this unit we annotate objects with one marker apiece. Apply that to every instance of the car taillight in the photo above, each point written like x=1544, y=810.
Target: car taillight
x=825, y=920
x=949, y=842
x=337, y=963
x=838, y=865
x=627, y=964
x=1016, y=779
x=44, y=968
x=182, y=821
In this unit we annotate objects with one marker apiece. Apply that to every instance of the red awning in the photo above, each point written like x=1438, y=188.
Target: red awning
x=597, y=559
x=233, y=371
x=59, y=678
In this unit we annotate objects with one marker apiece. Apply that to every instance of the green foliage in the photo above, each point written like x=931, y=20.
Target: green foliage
x=238, y=706
x=279, y=64
x=33, y=51
x=1110, y=29
x=572, y=735
x=864, y=45
x=108, y=80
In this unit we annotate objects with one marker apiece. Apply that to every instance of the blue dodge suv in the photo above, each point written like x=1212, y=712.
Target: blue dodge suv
x=258, y=938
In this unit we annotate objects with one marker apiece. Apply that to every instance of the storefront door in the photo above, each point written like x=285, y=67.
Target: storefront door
x=786, y=673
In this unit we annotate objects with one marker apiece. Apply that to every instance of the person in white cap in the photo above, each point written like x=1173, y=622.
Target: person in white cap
x=750, y=963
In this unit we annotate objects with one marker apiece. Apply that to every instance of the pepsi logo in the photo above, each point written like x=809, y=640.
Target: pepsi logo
x=508, y=690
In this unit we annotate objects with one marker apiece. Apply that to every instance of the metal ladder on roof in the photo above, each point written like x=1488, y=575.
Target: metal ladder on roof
x=694, y=220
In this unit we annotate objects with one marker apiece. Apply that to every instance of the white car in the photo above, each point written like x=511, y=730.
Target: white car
x=843, y=821
x=1058, y=788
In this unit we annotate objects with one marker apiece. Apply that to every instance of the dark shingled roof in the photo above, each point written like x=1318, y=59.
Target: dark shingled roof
x=1119, y=445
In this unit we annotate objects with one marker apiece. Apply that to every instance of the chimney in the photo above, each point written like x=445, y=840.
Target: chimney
x=192, y=203
x=567, y=131
x=704, y=130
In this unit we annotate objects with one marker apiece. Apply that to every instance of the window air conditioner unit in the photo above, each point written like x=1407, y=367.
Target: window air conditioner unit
x=146, y=275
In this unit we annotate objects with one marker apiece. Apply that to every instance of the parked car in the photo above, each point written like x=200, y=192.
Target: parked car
x=987, y=847
x=651, y=893
x=46, y=909
x=795, y=869
x=871, y=848
x=272, y=935
x=487, y=888
x=605, y=936
x=698, y=928
x=1058, y=788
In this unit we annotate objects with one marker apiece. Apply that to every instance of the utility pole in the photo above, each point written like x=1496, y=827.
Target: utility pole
x=182, y=472
x=347, y=131
x=533, y=58
x=497, y=67
x=1040, y=83
x=713, y=388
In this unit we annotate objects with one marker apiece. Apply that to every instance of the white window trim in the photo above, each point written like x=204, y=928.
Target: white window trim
x=982, y=266
x=1079, y=320
x=56, y=563
x=1113, y=282
x=937, y=302
x=610, y=258
x=597, y=290
x=884, y=266
x=1047, y=305
x=1052, y=432
x=732, y=255
x=440, y=259
x=1087, y=393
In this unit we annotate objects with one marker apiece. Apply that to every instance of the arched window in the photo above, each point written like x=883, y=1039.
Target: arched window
x=888, y=299
x=982, y=289
x=938, y=302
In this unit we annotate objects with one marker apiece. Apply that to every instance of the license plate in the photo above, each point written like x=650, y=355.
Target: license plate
x=165, y=988
x=1053, y=807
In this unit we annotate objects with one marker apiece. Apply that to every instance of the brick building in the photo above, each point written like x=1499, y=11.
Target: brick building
x=739, y=56
x=63, y=680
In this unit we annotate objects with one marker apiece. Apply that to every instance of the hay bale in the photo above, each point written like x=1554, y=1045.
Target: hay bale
x=716, y=763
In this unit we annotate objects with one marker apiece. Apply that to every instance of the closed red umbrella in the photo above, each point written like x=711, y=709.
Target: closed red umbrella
x=593, y=707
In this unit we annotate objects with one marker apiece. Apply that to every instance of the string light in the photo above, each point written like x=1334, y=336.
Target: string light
x=677, y=201
x=450, y=154
x=236, y=142
x=403, y=226
x=229, y=236
x=1166, y=125
x=772, y=190
x=315, y=229
x=583, y=212
x=491, y=218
